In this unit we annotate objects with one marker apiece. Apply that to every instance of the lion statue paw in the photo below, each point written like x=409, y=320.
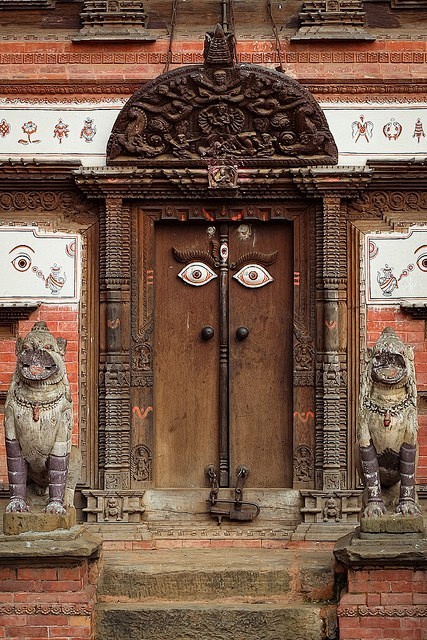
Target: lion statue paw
x=374, y=509
x=408, y=508
x=17, y=505
x=56, y=507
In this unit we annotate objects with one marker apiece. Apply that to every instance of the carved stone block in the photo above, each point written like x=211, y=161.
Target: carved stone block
x=114, y=507
x=16, y=523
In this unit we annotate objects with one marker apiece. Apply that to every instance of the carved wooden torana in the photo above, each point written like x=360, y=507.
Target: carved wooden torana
x=222, y=110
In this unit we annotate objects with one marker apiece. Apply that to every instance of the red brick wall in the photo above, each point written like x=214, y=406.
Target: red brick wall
x=50, y=601
x=412, y=332
x=62, y=61
x=384, y=604
x=62, y=321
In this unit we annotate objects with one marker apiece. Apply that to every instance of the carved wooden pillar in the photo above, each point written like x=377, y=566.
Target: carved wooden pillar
x=329, y=475
x=114, y=367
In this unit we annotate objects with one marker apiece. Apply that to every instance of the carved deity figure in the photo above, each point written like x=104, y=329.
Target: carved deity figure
x=38, y=424
x=387, y=428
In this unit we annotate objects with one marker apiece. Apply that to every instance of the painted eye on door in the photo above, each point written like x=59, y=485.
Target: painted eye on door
x=22, y=262
x=197, y=274
x=253, y=276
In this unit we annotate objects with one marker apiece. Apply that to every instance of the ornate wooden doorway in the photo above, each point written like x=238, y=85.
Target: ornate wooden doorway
x=223, y=352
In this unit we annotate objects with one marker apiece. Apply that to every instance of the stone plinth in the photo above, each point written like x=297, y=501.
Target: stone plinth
x=387, y=585
x=47, y=584
x=393, y=524
x=25, y=522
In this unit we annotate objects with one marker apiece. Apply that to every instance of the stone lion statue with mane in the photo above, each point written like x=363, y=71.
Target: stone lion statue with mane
x=387, y=428
x=39, y=423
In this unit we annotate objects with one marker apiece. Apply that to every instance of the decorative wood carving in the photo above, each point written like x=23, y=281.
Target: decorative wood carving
x=331, y=91
x=416, y=310
x=332, y=20
x=142, y=347
x=114, y=368
x=331, y=424
x=381, y=203
x=222, y=111
x=113, y=20
x=343, y=12
x=331, y=506
x=14, y=312
x=114, y=507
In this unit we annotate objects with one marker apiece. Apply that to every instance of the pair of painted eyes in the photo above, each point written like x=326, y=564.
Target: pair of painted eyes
x=252, y=275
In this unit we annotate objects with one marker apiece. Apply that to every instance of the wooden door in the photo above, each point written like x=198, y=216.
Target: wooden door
x=223, y=353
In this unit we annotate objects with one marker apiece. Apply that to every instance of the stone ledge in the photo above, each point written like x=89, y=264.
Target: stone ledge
x=77, y=542
x=381, y=550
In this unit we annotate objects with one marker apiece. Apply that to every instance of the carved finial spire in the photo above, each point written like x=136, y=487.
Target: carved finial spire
x=219, y=49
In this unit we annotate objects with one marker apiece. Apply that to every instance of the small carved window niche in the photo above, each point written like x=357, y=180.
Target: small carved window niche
x=332, y=20
x=113, y=20
x=11, y=314
x=416, y=308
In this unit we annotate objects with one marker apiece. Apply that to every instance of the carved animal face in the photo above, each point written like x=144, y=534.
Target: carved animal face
x=40, y=356
x=389, y=364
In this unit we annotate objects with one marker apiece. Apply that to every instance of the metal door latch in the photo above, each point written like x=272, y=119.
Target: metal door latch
x=235, y=509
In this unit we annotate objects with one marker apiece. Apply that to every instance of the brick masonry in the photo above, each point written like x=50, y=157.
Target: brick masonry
x=384, y=604
x=47, y=601
x=65, y=60
x=48, y=588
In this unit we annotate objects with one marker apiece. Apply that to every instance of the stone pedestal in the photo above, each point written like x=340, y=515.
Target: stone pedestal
x=386, y=594
x=16, y=523
x=47, y=584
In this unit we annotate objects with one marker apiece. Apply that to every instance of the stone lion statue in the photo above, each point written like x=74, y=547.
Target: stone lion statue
x=387, y=428
x=38, y=424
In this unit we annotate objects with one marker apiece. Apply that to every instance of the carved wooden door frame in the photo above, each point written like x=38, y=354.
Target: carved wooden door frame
x=313, y=200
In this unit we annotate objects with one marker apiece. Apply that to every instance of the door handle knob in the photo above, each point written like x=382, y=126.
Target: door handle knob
x=242, y=333
x=207, y=333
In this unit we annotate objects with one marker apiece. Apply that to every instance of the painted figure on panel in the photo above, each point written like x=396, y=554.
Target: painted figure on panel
x=387, y=428
x=38, y=424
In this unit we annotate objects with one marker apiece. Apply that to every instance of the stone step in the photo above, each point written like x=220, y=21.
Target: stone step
x=208, y=575
x=212, y=621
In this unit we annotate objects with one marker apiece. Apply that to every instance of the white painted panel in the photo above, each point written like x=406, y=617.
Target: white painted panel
x=396, y=266
x=80, y=130
x=39, y=266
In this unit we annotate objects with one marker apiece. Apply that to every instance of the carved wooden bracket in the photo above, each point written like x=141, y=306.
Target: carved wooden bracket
x=11, y=314
x=417, y=309
x=14, y=312
x=113, y=20
x=332, y=20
